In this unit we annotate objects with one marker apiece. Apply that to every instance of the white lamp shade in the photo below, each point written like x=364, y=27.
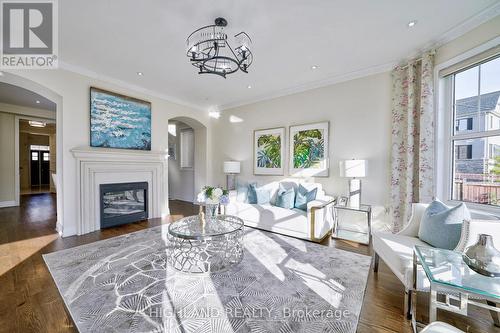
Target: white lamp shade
x=232, y=167
x=353, y=168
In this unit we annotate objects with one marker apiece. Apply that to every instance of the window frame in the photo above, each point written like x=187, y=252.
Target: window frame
x=445, y=125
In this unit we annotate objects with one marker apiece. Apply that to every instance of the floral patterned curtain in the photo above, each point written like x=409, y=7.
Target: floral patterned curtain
x=412, y=160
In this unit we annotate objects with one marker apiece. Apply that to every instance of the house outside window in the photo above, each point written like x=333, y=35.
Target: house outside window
x=475, y=136
x=464, y=124
x=463, y=152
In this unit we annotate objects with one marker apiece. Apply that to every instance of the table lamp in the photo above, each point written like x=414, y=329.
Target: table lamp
x=231, y=168
x=353, y=169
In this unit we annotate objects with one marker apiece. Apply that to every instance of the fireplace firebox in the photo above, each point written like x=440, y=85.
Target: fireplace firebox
x=123, y=203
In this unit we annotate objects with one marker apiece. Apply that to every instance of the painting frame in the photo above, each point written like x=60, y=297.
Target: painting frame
x=269, y=171
x=145, y=108
x=321, y=168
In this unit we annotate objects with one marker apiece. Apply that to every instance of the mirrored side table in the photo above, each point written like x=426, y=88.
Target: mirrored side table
x=353, y=232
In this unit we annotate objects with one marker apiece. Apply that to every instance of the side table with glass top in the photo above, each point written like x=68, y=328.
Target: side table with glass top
x=453, y=285
x=341, y=231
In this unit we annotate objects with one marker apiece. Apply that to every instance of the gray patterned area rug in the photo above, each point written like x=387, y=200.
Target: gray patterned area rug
x=283, y=284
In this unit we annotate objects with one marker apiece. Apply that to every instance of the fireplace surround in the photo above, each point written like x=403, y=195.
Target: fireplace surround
x=97, y=166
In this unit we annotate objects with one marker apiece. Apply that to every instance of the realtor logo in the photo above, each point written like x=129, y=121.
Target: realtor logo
x=29, y=34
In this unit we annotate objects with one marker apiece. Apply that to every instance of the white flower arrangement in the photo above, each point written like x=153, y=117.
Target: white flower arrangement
x=213, y=195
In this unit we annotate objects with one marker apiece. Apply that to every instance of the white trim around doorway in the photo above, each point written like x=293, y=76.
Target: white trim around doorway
x=17, y=181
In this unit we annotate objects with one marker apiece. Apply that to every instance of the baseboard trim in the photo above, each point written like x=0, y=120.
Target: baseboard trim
x=59, y=228
x=5, y=204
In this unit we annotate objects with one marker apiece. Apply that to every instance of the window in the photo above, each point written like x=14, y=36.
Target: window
x=46, y=156
x=172, y=129
x=475, y=137
x=34, y=156
x=464, y=124
x=187, y=148
x=463, y=152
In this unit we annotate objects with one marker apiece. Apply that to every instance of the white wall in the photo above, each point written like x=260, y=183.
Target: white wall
x=359, y=112
x=7, y=153
x=181, y=181
x=73, y=126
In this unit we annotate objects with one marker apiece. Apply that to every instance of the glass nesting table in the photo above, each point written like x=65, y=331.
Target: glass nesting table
x=205, y=245
x=453, y=285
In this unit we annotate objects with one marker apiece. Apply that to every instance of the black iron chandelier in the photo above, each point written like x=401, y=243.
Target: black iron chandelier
x=209, y=50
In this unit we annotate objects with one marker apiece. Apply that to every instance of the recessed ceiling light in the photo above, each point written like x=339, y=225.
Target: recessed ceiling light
x=314, y=67
x=37, y=102
x=411, y=24
x=249, y=87
x=34, y=123
x=214, y=114
x=140, y=73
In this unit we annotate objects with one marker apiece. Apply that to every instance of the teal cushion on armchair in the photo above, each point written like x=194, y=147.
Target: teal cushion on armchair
x=441, y=226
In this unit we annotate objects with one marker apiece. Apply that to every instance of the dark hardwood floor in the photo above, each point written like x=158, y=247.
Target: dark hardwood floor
x=30, y=302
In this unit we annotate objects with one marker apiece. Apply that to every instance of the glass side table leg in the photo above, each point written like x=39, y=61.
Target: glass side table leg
x=432, y=305
x=494, y=314
x=413, y=307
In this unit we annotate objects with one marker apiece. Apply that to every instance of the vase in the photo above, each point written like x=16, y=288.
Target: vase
x=483, y=257
x=211, y=210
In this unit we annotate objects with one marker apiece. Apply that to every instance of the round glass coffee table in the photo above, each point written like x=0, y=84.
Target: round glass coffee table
x=213, y=246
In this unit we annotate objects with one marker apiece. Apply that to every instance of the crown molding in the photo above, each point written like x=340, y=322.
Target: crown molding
x=469, y=24
x=313, y=85
x=94, y=75
x=457, y=31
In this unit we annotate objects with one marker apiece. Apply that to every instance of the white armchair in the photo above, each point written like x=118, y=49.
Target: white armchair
x=396, y=250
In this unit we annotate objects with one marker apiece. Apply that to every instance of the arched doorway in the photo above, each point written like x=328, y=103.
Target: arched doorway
x=18, y=81
x=180, y=172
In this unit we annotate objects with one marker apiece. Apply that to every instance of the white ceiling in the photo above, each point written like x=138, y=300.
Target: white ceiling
x=117, y=38
x=15, y=95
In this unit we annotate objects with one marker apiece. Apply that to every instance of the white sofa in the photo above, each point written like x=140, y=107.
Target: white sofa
x=314, y=225
x=396, y=250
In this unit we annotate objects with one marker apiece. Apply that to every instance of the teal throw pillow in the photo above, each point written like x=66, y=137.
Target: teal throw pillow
x=441, y=226
x=242, y=192
x=263, y=196
x=304, y=196
x=286, y=197
x=252, y=195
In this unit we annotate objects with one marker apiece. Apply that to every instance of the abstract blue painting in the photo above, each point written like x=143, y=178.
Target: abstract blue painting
x=118, y=121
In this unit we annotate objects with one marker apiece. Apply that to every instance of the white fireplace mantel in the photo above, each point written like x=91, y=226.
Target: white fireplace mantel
x=96, y=166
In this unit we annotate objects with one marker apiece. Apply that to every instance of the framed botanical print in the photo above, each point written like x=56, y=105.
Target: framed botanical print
x=269, y=151
x=309, y=150
x=118, y=121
